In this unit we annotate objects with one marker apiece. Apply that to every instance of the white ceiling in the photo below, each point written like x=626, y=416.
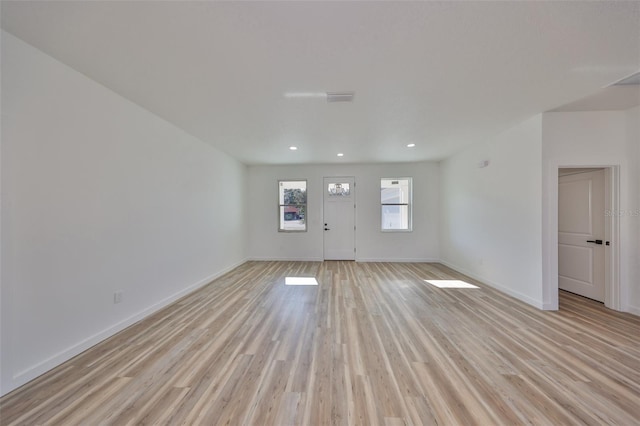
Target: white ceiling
x=442, y=75
x=613, y=98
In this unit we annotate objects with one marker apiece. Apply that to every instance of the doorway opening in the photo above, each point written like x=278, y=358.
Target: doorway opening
x=587, y=237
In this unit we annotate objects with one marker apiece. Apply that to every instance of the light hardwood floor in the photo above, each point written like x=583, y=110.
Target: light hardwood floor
x=372, y=344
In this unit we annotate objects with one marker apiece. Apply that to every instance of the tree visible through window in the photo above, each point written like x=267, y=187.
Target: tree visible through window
x=292, y=207
x=395, y=200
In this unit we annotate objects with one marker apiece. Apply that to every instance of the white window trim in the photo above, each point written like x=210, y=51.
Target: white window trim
x=306, y=208
x=409, y=205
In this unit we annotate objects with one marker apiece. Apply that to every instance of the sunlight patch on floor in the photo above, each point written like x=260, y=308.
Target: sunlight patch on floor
x=451, y=284
x=300, y=281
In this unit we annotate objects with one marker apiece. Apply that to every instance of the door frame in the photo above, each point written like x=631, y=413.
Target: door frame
x=576, y=174
x=355, y=216
x=612, y=298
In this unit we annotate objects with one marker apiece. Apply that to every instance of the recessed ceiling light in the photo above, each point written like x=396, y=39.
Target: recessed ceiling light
x=411, y=145
x=340, y=154
x=293, y=148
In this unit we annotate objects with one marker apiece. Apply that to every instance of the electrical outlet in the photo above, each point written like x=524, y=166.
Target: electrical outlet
x=117, y=296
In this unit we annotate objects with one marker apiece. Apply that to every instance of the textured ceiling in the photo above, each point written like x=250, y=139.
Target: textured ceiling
x=442, y=75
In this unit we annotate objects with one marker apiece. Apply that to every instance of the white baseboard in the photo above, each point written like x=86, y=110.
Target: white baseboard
x=358, y=259
x=400, y=260
x=34, y=371
x=286, y=259
x=535, y=303
x=633, y=310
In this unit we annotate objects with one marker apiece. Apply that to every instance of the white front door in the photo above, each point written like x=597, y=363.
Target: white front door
x=581, y=233
x=339, y=218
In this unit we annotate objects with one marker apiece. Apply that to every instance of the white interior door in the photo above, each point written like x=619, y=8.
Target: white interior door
x=339, y=218
x=581, y=234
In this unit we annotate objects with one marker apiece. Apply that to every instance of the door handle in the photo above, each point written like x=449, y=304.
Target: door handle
x=327, y=229
x=599, y=242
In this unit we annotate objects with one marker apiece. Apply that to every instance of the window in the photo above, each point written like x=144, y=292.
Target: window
x=395, y=200
x=292, y=205
x=338, y=190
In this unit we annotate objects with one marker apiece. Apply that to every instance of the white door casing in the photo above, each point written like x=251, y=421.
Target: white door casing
x=339, y=218
x=581, y=225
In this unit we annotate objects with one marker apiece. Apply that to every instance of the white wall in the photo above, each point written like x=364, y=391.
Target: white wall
x=372, y=244
x=633, y=137
x=594, y=138
x=99, y=195
x=491, y=216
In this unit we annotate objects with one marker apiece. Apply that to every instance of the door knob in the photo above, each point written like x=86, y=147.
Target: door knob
x=599, y=242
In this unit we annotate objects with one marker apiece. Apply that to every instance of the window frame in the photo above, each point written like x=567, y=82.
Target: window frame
x=409, y=205
x=298, y=205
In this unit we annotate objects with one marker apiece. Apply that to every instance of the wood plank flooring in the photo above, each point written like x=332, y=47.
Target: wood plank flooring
x=373, y=344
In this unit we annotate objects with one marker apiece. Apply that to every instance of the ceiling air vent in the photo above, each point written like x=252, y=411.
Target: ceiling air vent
x=340, y=96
